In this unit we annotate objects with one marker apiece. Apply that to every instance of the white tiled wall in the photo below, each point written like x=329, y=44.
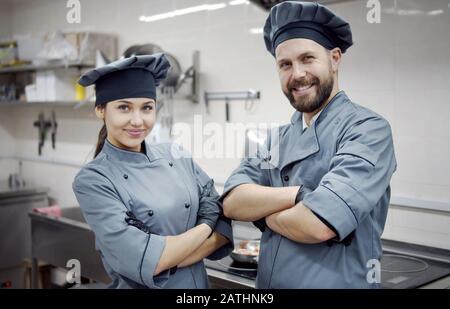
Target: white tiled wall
x=399, y=68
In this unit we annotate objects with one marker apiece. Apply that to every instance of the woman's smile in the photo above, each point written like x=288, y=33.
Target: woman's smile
x=135, y=133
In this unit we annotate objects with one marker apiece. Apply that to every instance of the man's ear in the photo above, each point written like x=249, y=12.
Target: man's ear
x=100, y=112
x=335, y=58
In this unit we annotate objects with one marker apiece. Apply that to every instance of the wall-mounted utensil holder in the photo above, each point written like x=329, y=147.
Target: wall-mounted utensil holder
x=249, y=95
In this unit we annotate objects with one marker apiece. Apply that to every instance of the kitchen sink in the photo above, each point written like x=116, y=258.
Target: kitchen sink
x=57, y=240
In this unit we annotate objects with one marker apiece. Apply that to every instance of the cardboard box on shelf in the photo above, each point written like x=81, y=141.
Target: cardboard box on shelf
x=87, y=43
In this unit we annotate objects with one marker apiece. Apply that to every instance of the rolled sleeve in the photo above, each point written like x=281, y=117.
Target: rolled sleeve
x=249, y=171
x=359, y=176
x=339, y=216
x=129, y=251
x=152, y=254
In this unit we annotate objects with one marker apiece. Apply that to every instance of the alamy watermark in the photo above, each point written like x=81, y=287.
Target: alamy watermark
x=73, y=275
x=212, y=140
x=374, y=272
x=374, y=14
x=73, y=15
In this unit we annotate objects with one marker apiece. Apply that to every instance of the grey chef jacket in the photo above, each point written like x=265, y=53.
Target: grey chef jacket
x=346, y=158
x=163, y=188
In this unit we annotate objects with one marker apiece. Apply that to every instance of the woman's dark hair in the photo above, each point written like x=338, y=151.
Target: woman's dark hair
x=101, y=136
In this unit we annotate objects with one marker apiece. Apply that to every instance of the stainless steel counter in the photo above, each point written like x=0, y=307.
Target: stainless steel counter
x=397, y=268
x=58, y=240
x=15, y=240
x=222, y=280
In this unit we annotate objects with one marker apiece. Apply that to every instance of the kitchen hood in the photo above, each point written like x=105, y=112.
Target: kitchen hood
x=267, y=4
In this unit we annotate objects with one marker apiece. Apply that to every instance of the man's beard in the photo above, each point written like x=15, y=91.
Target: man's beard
x=309, y=103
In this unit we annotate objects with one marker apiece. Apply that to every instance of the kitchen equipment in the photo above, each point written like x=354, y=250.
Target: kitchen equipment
x=246, y=251
x=15, y=240
x=43, y=127
x=165, y=111
x=58, y=240
x=248, y=97
x=15, y=181
x=403, y=266
x=174, y=72
x=53, y=127
x=56, y=85
x=406, y=266
x=8, y=92
x=175, y=76
x=227, y=273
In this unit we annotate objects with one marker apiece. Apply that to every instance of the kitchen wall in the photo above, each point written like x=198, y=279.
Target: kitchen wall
x=5, y=20
x=399, y=68
x=7, y=145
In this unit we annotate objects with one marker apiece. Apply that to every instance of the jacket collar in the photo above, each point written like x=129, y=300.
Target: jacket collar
x=120, y=154
x=298, y=144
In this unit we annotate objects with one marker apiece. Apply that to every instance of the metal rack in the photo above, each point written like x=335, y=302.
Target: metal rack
x=34, y=68
x=231, y=96
x=30, y=68
x=74, y=104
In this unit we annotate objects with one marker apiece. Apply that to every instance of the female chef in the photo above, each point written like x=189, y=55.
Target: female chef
x=154, y=212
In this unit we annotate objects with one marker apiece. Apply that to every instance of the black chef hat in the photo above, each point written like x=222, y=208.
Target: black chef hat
x=133, y=77
x=308, y=20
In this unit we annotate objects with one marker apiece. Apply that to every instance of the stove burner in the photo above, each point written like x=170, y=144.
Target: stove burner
x=239, y=266
x=403, y=264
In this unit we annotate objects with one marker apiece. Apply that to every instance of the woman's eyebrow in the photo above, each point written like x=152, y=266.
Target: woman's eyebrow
x=129, y=102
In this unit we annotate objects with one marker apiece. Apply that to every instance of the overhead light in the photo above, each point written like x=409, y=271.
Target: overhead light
x=409, y=12
x=180, y=12
x=435, y=12
x=256, y=30
x=238, y=2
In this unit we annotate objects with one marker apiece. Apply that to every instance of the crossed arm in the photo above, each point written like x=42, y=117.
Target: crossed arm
x=251, y=202
x=189, y=247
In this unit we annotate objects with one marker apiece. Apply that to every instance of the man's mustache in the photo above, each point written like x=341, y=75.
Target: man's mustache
x=303, y=82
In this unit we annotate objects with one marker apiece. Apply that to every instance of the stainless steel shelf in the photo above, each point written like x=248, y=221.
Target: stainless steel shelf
x=74, y=104
x=32, y=67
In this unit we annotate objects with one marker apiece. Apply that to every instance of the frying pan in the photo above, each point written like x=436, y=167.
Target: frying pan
x=246, y=251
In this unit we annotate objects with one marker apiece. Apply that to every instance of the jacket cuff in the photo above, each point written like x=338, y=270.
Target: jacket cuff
x=331, y=207
x=150, y=260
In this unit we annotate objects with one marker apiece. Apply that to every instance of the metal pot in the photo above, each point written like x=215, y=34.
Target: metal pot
x=174, y=73
x=246, y=251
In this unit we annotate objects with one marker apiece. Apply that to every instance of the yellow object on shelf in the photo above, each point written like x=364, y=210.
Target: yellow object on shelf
x=80, y=92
